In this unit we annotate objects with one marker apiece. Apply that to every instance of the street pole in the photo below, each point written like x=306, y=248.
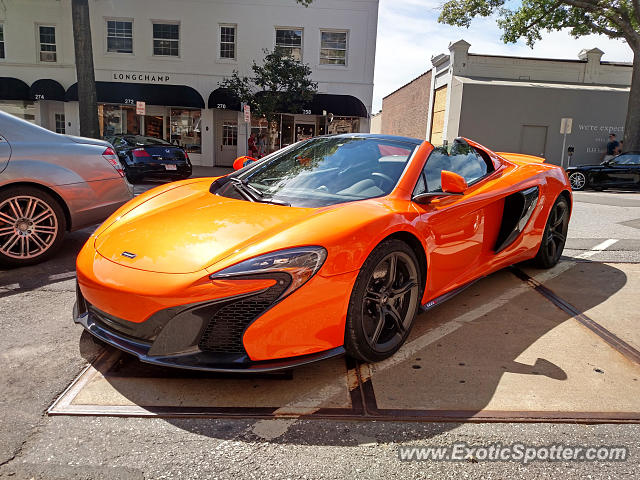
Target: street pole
x=564, y=144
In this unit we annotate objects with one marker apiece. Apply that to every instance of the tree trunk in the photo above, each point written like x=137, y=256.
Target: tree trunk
x=87, y=99
x=632, y=124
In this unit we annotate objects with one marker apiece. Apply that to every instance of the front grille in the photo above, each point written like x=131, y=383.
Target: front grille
x=223, y=334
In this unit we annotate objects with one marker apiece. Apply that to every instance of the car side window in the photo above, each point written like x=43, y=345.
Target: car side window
x=466, y=162
x=628, y=159
x=460, y=158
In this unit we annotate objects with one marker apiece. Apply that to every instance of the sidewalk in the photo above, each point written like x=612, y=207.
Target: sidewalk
x=199, y=171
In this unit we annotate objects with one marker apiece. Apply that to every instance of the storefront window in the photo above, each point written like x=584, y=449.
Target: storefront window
x=116, y=119
x=185, y=129
x=344, y=125
x=21, y=109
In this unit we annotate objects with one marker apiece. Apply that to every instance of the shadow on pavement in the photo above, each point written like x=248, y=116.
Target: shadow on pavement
x=57, y=269
x=459, y=371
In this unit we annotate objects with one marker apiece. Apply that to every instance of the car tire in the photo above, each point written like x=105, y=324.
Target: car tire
x=383, y=303
x=32, y=226
x=555, y=235
x=132, y=178
x=578, y=181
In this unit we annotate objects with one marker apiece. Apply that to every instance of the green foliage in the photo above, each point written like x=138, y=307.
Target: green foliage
x=616, y=18
x=280, y=84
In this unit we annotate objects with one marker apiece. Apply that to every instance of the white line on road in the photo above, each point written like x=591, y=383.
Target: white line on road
x=598, y=248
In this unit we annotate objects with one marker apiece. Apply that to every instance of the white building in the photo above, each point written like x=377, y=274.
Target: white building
x=172, y=55
x=517, y=104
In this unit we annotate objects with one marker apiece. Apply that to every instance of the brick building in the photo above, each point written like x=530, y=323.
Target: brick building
x=406, y=111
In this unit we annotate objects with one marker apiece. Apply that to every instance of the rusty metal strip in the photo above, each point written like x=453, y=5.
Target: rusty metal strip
x=609, y=337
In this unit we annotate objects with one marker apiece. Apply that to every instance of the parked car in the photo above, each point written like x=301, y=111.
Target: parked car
x=150, y=157
x=328, y=246
x=622, y=171
x=49, y=184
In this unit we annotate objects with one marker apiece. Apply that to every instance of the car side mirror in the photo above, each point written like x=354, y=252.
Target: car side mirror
x=242, y=162
x=452, y=182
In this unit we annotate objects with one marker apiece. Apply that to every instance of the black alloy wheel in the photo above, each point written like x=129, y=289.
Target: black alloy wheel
x=384, y=302
x=555, y=234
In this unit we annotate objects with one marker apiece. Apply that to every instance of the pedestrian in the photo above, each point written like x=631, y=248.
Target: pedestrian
x=262, y=145
x=253, y=149
x=611, y=147
x=619, y=149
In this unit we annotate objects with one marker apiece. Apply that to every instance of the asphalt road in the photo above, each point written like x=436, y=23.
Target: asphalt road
x=42, y=351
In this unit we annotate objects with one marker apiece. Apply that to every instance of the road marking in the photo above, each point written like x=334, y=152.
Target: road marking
x=598, y=248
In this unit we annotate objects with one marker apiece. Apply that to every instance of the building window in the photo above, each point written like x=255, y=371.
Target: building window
x=333, y=48
x=59, y=119
x=184, y=124
x=228, y=41
x=1, y=40
x=290, y=40
x=229, y=134
x=47, y=35
x=166, y=37
x=119, y=36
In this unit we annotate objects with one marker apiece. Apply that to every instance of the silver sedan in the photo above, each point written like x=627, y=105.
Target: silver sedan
x=49, y=184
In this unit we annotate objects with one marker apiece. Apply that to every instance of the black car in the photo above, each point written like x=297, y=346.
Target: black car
x=150, y=157
x=622, y=171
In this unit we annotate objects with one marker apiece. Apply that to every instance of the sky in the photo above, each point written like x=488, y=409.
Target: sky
x=409, y=35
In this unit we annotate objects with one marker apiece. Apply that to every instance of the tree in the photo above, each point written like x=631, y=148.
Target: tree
x=617, y=19
x=280, y=84
x=87, y=98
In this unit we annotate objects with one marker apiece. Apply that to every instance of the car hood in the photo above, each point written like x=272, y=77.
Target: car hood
x=187, y=229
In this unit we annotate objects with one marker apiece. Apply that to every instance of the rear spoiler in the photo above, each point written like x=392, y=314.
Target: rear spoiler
x=521, y=157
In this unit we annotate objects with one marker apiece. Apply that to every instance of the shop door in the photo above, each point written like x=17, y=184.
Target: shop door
x=153, y=126
x=226, y=138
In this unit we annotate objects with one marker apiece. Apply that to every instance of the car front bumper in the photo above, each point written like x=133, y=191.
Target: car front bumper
x=172, y=338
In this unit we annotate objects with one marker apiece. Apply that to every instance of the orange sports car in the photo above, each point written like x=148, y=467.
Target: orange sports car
x=328, y=246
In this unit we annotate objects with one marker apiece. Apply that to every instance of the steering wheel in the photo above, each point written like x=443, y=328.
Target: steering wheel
x=384, y=179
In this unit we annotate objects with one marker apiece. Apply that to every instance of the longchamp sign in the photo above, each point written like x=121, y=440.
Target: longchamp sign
x=141, y=77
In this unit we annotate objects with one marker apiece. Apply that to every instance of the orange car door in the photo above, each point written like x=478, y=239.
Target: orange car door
x=460, y=231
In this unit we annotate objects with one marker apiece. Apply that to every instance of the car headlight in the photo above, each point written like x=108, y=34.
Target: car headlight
x=299, y=263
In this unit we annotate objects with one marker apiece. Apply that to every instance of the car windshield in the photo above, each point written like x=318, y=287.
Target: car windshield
x=135, y=140
x=325, y=171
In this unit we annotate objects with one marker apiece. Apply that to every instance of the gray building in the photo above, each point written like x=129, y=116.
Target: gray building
x=516, y=104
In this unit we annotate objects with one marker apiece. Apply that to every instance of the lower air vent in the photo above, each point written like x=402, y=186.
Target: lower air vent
x=224, y=332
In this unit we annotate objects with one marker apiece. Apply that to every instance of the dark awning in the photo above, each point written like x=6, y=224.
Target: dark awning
x=223, y=98
x=13, y=89
x=340, y=105
x=122, y=92
x=46, y=89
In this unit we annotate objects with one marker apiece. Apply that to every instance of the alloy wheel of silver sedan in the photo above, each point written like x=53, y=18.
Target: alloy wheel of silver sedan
x=31, y=226
x=577, y=180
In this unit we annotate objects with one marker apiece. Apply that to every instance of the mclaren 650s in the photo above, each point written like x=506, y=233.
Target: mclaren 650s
x=331, y=245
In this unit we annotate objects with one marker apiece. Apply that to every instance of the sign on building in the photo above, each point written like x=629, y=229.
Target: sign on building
x=565, y=126
x=140, y=108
